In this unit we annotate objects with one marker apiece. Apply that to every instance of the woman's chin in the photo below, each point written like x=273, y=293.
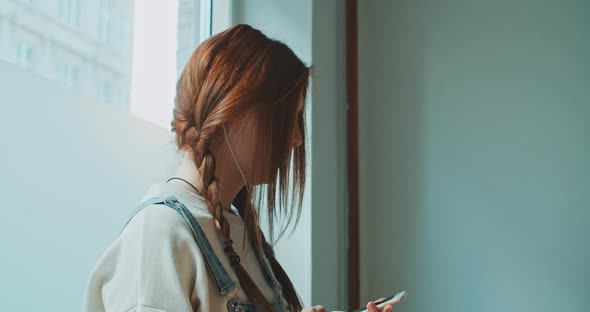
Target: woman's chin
x=261, y=181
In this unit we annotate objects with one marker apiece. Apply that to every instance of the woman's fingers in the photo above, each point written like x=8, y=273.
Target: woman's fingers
x=388, y=308
x=372, y=307
x=319, y=308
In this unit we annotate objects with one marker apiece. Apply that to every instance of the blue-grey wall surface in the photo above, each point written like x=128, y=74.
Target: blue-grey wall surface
x=475, y=154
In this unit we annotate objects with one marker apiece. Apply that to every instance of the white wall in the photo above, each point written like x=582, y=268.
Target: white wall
x=475, y=167
x=72, y=170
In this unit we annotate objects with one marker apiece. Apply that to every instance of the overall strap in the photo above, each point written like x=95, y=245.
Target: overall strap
x=216, y=270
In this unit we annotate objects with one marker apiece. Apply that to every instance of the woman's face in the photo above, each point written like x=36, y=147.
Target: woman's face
x=244, y=138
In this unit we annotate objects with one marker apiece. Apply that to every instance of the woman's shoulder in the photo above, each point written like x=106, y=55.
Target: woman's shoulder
x=155, y=229
x=154, y=254
x=158, y=222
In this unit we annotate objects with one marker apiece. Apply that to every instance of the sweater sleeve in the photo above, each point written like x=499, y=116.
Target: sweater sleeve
x=149, y=267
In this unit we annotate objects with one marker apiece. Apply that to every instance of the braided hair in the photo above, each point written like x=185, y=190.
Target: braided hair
x=231, y=74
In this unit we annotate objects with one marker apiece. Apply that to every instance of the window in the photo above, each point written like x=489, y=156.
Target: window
x=67, y=74
x=105, y=91
x=69, y=11
x=114, y=55
x=24, y=54
x=105, y=16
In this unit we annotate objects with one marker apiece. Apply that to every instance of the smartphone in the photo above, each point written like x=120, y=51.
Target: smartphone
x=395, y=299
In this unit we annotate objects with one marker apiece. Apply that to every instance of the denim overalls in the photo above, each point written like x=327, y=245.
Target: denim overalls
x=225, y=285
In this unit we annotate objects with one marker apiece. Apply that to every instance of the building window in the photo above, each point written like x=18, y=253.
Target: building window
x=67, y=74
x=69, y=11
x=105, y=22
x=104, y=90
x=24, y=54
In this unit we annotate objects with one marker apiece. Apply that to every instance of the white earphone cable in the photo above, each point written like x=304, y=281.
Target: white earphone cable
x=235, y=160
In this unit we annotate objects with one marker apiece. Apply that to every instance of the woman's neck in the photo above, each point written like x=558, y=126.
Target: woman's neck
x=229, y=186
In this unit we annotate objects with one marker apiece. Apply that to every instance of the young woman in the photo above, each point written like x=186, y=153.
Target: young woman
x=194, y=242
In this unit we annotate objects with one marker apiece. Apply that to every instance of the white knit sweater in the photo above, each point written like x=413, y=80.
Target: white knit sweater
x=155, y=264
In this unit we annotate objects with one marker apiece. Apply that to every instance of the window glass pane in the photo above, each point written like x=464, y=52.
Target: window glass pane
x=104, y=49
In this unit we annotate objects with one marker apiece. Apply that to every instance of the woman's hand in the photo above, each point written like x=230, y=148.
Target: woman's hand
x=372, y=306
x=317, y=308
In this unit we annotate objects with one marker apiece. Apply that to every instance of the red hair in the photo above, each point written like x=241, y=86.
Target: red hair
x=236, y=72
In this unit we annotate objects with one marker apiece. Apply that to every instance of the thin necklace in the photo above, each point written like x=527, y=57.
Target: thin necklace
x=187, y=182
